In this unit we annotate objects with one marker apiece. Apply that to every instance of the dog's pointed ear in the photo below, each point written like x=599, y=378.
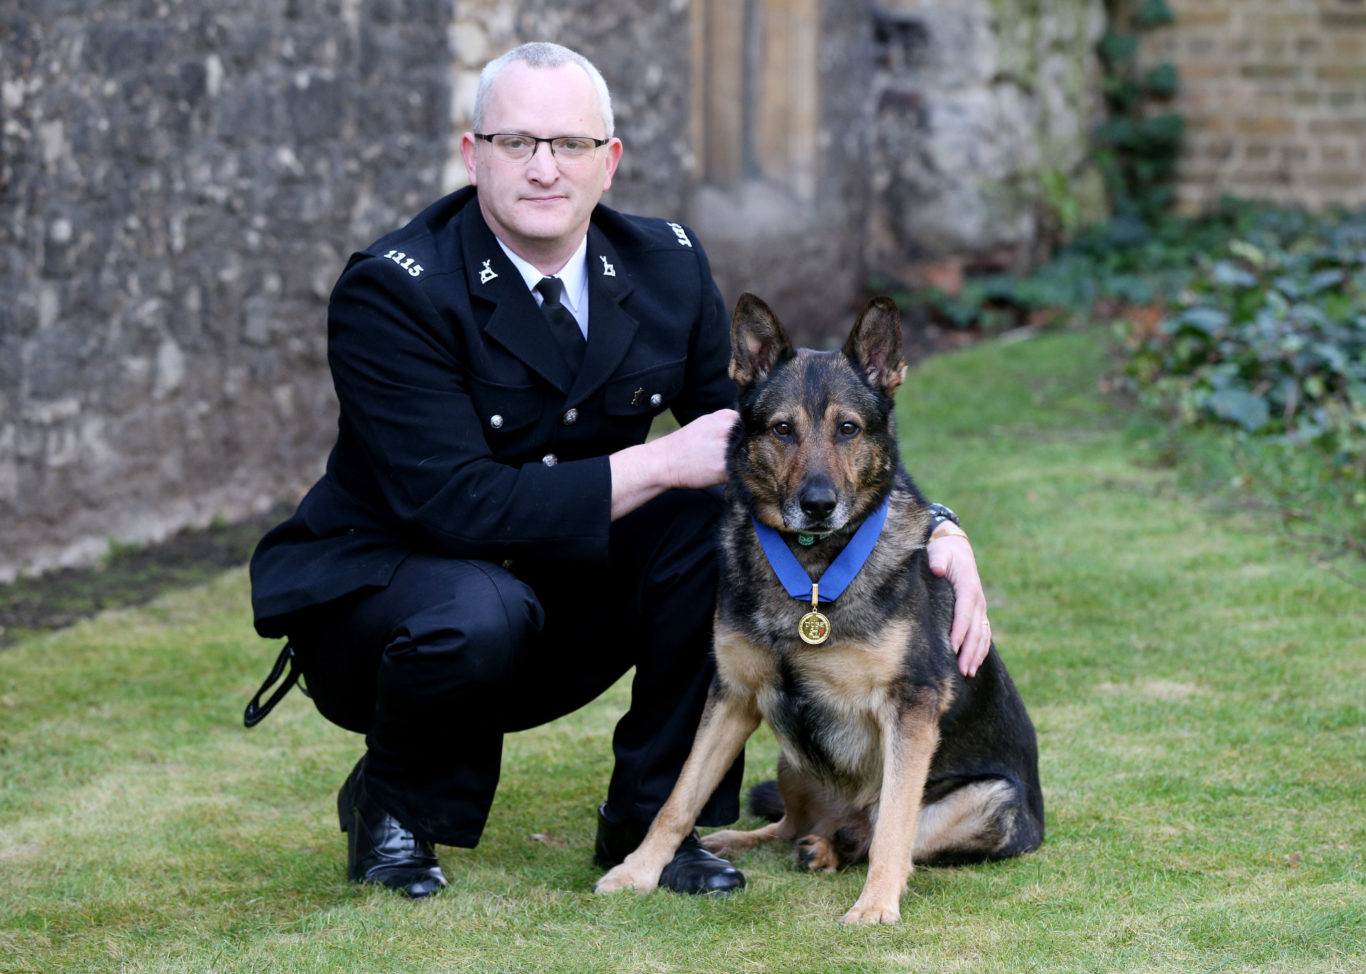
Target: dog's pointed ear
x=757, y=340
x=874, y=345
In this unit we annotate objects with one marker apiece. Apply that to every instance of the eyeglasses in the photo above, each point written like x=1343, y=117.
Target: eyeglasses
x=567, y=149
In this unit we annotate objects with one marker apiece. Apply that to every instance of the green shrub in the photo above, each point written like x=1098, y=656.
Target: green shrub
x=1270, y=336
x=1123, y=262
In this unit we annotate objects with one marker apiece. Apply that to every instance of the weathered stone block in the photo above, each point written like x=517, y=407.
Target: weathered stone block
x=179, y=184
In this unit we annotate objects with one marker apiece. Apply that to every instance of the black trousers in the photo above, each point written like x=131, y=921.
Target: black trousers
x=436, y=667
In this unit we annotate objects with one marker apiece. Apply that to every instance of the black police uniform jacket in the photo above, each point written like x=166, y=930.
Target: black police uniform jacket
x=462, y=431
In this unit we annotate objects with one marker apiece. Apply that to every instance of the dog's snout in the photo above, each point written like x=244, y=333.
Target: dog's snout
x=818, y=501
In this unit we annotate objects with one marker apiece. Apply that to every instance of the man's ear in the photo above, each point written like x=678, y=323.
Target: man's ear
x=757, y=341
x=613, y=159
x=467, y=145
x=874, y=345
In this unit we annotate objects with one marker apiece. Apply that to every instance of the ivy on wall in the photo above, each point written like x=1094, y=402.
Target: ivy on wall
x=1139, y=145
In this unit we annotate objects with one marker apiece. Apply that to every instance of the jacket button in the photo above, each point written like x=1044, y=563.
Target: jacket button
x=656, y=399
x=550, y=459
x=571, y=417
x=496, y=421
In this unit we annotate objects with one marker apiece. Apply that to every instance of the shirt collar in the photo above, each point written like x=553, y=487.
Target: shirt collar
x=574, y=274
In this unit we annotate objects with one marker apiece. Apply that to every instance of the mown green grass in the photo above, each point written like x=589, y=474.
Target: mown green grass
x=1199, y=687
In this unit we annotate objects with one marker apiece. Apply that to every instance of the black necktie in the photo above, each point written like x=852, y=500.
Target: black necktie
x=562, y=322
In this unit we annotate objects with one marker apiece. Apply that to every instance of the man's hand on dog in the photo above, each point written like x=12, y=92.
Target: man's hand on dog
x=951, y=556
x=693, y=456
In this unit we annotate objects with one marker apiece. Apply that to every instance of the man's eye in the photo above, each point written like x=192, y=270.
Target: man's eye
x=514, y=142
x=572, y=145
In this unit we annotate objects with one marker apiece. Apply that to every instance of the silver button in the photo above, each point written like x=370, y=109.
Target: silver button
x=550, y=459
x=571, y=417
x=656, y=399
x=496, y=421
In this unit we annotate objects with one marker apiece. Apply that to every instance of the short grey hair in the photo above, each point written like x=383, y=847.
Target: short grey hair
x=541, y=54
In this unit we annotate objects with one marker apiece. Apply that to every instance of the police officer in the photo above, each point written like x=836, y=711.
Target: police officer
x=493, y=543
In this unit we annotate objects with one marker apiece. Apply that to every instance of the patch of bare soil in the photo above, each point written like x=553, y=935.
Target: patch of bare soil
x=130, y=576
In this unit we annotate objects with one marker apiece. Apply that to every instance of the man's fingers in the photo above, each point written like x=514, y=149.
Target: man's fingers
x=962, y=625
x=979, y=641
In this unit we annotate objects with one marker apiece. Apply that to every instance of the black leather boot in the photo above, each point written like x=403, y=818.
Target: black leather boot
x=378, y=848
x=692, y=870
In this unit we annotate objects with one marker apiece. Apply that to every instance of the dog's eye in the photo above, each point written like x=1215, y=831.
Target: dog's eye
x=782, y=429
x=848, y=428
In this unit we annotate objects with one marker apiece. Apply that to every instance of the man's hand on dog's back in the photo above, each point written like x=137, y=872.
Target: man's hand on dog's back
x=692, y=456
x=952, y=557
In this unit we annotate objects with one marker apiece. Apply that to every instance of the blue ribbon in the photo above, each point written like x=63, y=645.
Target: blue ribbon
x=842, y=570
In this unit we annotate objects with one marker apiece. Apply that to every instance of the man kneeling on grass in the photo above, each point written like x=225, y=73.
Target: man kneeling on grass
x=494, y=542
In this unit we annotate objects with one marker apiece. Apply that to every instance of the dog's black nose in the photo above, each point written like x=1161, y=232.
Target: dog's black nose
x=818, y=501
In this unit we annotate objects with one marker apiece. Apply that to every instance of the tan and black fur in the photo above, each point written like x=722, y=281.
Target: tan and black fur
x=887, y=751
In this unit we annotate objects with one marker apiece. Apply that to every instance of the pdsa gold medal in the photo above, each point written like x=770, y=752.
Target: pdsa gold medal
x=814, y=627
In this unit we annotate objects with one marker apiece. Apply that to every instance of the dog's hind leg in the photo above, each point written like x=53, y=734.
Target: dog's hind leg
x=729, y=843
x=982, y=820
x=727, y=722
x=790, y=800
x=835, y=842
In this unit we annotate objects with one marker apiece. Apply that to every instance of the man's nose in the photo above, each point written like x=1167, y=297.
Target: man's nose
x=542, y=165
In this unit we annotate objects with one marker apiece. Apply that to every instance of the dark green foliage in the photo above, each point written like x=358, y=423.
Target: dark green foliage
x=1152, y=13
x=1248, y=319
x=1125, y=261
x=1270, y=336
x=1138, y=147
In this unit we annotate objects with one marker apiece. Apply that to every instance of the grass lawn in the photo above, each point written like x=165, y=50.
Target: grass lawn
x=1198, y=684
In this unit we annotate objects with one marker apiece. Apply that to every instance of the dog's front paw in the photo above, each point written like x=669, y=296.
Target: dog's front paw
x=816, y=854
x=862, y=912
x=627, y=876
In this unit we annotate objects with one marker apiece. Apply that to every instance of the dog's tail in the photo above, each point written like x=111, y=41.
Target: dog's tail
x=765, y=801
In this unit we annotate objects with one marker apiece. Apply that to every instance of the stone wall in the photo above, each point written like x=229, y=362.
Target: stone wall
x=781, y=186
x=182, y=180
x=1274, y=97
x=981, y=109
x=940, y=131
x=179, y=186
x=645, y=57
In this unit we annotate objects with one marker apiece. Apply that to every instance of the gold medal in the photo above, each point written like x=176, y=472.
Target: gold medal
x=814, y=627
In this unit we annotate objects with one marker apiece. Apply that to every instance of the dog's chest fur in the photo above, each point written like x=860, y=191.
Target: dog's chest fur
x=822, y=702
x=825, y=703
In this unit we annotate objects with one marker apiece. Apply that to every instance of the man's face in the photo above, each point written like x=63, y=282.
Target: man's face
x=539, y=207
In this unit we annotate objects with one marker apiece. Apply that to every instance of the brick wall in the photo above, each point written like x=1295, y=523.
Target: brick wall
x=1274, y=97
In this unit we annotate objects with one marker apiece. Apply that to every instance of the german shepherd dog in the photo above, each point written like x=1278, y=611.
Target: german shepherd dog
x=887, y=751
